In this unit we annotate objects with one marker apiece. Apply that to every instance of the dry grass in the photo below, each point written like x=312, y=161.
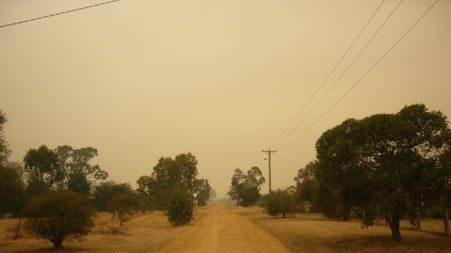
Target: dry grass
x=232, y=229
x=142, y=233
x=314, y=233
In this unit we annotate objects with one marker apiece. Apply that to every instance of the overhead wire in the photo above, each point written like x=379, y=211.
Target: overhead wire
x=57, y=14
x=329, y=74
x=381, y=26
x=390, y=49
x=376, y=63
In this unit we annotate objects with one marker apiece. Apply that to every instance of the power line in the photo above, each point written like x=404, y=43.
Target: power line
x=374, y=65
x=377, y=62
x=347, y=68
x=58, y=13
x=328, y=75
x=352, y=62
x=292, y=162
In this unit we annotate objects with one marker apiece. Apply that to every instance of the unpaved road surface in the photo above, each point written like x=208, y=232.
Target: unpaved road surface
x=216, y=228
x=222, y=229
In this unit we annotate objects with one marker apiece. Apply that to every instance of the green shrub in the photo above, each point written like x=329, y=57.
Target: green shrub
x=250, y=195
x=279, y=202
x=180, y=209
x=146, y=203
x=59, y=216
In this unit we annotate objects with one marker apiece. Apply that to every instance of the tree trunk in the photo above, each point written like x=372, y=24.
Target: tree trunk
x=346, y=212
x=418, y=221
x=57, y=244
x=394, y=226
x=444, y=200
x=16, y=233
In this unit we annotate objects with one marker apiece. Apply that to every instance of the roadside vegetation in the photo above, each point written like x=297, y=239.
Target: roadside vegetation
x=312, y=232
x=245, y=187
x=59, y=216
x=385, y=167
x=58, y=191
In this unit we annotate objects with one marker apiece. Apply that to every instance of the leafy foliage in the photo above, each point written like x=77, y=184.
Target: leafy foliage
x=383, y=165
x=279, y=202
x=170, y=174
x=145, y=203
x=59, y=216
x=4, y=149
x=42, y=166
x=122, y=205
x=180, y=209
x=203, y=189
x=79, y=174
x=307, y=184
x=12, y=192
x=245, y=188
x=77, y=182
x=105, y=192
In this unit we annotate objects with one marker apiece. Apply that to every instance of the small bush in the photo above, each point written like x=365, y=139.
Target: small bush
x=279, y=202
x=180, y=209
x=122, y=205
x=59, y=216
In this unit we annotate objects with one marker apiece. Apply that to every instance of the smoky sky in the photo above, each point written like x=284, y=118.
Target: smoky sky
x=219, y=78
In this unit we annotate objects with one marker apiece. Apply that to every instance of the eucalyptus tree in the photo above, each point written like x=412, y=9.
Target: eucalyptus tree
x=78, y=172
x=43, y=170
x=169, y=175
x=245, y=188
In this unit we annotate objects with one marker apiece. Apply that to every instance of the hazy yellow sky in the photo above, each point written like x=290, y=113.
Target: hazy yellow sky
x=141, y=79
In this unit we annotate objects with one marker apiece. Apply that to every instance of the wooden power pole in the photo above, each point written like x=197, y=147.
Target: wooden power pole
x=269, y=151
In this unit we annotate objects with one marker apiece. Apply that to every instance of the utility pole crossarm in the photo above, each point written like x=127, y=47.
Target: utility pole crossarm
x=269, y=151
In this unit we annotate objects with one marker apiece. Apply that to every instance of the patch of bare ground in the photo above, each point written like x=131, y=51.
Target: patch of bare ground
x=222, y=230
x=314, y=233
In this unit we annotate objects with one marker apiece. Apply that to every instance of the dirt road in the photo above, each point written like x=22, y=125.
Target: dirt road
x=216, y=228
x=221, y=229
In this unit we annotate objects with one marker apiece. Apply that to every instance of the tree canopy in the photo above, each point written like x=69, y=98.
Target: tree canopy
x=306, y=184
x=170, y=175
x=59, y=216
x=79, y=174
x=245, y=188
x=105, y=192
x=11, y=184
x=383, y=164
x=202, y=188
x=42, y=166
